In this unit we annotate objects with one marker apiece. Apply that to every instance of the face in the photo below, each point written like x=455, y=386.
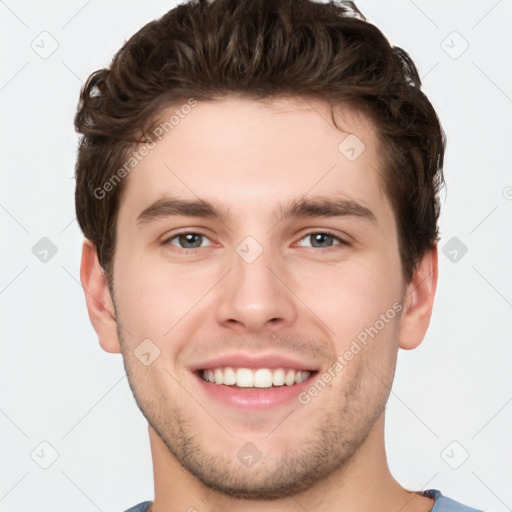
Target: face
x=255, y=251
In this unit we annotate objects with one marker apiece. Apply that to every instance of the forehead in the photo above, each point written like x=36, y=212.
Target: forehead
x=251, y=154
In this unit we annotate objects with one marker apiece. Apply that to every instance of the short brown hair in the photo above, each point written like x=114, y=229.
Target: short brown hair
x=206, y=50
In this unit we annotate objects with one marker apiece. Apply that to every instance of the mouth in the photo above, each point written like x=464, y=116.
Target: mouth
x=254, y=390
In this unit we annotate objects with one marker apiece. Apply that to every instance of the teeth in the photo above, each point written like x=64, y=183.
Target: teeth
x=229, y=376
x=260, y=378
x=244, y=378
x=278, y=377
x=219, y=376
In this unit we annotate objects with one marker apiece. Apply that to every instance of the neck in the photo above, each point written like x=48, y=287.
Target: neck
x=364, y=483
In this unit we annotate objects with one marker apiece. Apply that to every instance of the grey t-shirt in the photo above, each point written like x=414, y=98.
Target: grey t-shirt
x=442, y=504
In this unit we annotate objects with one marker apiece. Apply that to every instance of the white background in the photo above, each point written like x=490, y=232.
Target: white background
x=58, y=386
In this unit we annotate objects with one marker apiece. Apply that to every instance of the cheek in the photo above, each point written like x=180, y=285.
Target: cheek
x=351, y=296
x=153, y=296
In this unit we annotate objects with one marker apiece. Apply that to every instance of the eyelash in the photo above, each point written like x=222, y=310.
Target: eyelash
x=322, y=232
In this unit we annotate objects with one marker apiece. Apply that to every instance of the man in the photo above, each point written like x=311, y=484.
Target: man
x=258, y=186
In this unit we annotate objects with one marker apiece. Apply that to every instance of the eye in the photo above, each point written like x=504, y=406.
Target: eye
x=321, y=239
x=188, y=240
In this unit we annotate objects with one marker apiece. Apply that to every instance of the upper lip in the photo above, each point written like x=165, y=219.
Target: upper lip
x=240, y=360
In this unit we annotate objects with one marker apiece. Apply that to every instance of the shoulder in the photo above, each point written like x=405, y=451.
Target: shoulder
x=141, y=507
x=445, y=504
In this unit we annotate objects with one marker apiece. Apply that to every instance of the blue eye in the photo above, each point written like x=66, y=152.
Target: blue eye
x=320, y=240
x=188, y=240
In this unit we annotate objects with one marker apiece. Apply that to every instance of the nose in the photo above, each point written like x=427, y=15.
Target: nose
x=255, y=296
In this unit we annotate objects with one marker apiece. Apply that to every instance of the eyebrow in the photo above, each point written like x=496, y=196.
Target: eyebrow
x=299, y=208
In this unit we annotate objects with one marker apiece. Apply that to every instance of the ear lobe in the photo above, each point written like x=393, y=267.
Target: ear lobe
x=419, y=301
x=97, y=296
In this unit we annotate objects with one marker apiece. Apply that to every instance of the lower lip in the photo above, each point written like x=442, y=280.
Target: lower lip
x=254, y=399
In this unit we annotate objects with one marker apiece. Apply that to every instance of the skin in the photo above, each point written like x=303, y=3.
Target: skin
x=296, y=299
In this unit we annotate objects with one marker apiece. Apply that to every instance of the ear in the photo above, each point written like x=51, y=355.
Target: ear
x=419, y=301
x=98, y=299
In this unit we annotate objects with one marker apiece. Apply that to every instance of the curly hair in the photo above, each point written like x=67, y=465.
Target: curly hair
x=204, y=50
